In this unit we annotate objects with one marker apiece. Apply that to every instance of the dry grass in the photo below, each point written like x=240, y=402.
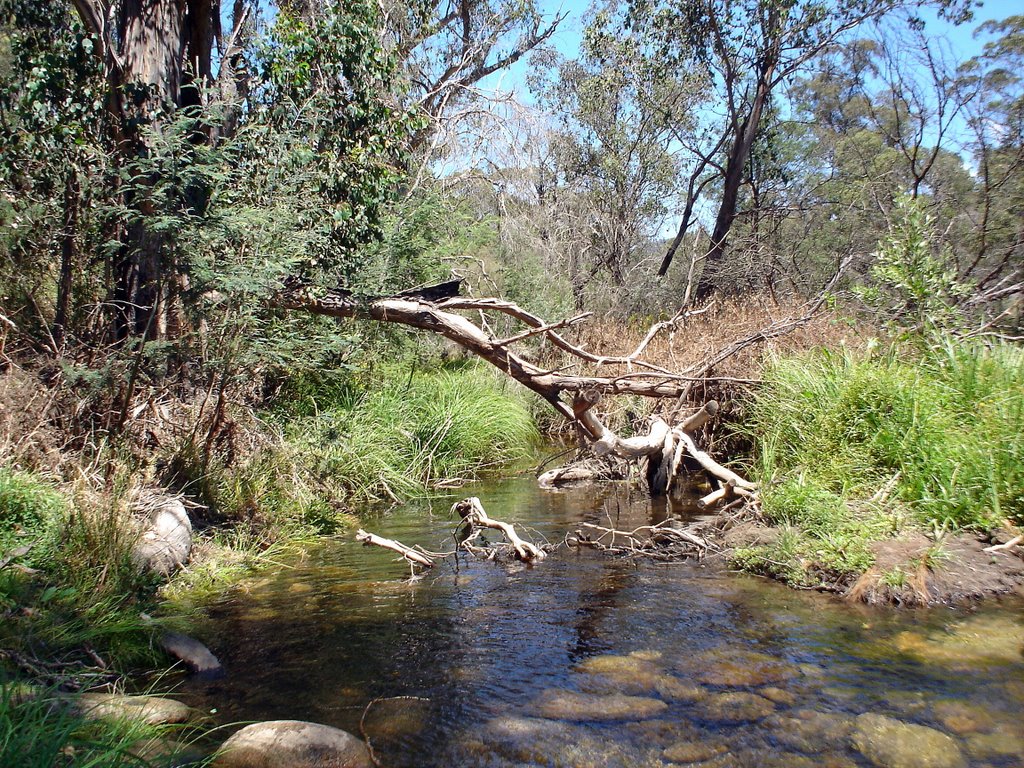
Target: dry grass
x=697, y=339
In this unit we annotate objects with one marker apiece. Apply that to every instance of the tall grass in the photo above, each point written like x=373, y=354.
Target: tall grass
x=41, y=731
x=409, y=432
x=853, y=446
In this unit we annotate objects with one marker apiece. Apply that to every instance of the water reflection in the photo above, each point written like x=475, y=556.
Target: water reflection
x=589, y=660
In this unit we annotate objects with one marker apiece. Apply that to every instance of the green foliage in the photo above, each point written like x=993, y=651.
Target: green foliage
x=915, y=278
x=27, y=506
x=409, y=430
x=852, y=447
x=39, y=729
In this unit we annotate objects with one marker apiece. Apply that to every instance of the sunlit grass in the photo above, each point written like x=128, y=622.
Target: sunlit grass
x=851, y=447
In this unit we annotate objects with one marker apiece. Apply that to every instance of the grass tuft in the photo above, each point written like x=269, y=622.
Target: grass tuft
x=851, y=447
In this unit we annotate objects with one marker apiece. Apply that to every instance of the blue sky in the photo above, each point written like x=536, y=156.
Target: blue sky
x=567, y=38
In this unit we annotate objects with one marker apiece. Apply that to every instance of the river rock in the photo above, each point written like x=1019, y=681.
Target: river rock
x=635, y=674
x=736, y=707
x=152, y=710
x=536, y=741
x=292, y=744
x=1005, y=741
x=779, y=696
x=165, y=546
x=742, y=669
x=963, y=718
x=687, y=751
x=568, y=705
x=810, y=731
x=196, y=656
x=891, y=743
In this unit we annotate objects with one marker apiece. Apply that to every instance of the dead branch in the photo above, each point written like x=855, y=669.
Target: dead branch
x=1008, y=545
x=473, y=514
x=664, y=541
x=410, y=554
x=710, y=465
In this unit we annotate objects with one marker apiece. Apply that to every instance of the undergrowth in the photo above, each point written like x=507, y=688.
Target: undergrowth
x=854, y=447
x=40, y=729
x=410, y=431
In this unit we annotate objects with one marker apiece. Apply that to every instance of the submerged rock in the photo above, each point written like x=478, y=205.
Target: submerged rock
x=810, y=731
x=536, y=741
x=736, y=707
x=152, y=710
x=891, y=743
x=741, y=668
x=1005, y=741
x=962, y=718
x=292, y=744
x=568, y=705
x=393, y=718
x=687, y=751
x=635, y=674
x=779, y=696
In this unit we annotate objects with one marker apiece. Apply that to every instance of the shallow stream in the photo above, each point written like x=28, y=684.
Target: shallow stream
x=588, y=660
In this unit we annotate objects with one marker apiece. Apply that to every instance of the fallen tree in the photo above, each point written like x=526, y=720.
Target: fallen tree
x=664, y=446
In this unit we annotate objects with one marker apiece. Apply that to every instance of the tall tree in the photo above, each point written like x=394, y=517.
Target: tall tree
x=746, y=48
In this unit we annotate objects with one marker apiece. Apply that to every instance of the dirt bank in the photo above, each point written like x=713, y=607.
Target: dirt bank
x=914, y=569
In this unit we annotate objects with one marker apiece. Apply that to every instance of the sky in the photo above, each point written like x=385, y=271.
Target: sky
x=566, y=39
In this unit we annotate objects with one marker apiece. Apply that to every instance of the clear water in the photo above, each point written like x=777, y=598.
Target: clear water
x=470, y=665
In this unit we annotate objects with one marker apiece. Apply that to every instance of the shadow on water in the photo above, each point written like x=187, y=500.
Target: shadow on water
x=589, y=660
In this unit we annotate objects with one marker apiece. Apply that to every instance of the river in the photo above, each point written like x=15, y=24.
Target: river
x=590, y=660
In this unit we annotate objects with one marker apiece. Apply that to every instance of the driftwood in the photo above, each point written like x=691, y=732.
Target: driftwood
x=475, y=519
x=414, y=557
x=664, y=541
x=473, y=514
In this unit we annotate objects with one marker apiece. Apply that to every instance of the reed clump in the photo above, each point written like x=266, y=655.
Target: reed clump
x=852, y=447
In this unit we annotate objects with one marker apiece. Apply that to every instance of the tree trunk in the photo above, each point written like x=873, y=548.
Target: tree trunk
x=739, y=154
x=68, y=259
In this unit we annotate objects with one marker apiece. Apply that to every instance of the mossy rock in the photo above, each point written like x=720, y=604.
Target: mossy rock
x=891, y=743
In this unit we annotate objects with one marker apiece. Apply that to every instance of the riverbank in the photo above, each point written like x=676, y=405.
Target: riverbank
x=893, y=475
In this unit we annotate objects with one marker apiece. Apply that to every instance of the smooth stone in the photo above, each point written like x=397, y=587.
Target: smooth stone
x=196, y=656
x=152, y=710
x=292, y=744
x=742, y=669
x=736, y=707
x=962, y=718
x=692, y=751
x=568, y=705
x=166, y=545
x=891, y=743
x=810, y=731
